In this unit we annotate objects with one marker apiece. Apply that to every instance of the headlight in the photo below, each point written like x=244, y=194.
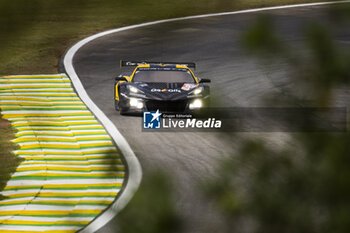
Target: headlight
x=135, y=92
x=133, y=89
x=197, y=91
x=196, y=104
x=136, y=103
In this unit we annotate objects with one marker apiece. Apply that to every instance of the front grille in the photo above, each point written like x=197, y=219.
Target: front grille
x=166, y=106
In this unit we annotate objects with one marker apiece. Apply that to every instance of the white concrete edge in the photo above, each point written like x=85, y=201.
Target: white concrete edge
x=134, y=167
x=135, y=172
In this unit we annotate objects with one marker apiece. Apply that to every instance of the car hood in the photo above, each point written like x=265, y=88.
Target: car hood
x=166, y=91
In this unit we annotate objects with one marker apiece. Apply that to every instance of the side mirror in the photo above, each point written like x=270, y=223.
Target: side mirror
x=120, y=78
x=204, y=80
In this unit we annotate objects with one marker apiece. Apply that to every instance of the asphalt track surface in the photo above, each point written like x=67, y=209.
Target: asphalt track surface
x=214, y=43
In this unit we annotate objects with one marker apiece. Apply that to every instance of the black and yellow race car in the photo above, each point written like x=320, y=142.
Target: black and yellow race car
x=169, y=87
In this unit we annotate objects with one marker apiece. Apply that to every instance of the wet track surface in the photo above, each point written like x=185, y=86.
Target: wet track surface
x=237, y=80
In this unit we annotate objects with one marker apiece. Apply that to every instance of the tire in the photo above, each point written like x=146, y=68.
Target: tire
x=123, y=112
x=123, y=109
x=116, y=105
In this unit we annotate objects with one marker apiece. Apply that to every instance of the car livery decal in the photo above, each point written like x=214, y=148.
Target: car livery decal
x=166, y=90
x=188, y=86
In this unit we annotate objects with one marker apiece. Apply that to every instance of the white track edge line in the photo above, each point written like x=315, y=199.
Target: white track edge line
x=135, y=172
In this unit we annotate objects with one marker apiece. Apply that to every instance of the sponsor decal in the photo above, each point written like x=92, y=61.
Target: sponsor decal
x=188, y=86
x=165, y=90
x=129, y=63
x=151, y=120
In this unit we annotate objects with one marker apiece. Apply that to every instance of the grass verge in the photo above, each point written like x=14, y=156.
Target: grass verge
x=34, y=34
x=8, y=161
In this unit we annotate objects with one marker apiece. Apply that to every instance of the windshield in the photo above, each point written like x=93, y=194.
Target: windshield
x=163, y=76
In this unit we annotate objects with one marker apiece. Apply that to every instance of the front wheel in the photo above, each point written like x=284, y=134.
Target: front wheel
x=123, y=106
x=116, y=105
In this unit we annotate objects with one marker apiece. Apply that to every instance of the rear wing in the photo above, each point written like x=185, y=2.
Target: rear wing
x=137, y=63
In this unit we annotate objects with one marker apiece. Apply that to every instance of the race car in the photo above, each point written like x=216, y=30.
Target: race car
x=170, y=87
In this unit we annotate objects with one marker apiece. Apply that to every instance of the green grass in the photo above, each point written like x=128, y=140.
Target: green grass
x=8, y=161
x=34, y=34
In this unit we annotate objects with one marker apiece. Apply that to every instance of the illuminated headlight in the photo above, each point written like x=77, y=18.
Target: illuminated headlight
x=197, y=91
x=139, y=105
x=133, y=89
x=136, y=103
x=196, y=104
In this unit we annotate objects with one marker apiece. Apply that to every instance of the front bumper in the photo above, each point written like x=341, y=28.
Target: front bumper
x=166, y=106
x=139, y=105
